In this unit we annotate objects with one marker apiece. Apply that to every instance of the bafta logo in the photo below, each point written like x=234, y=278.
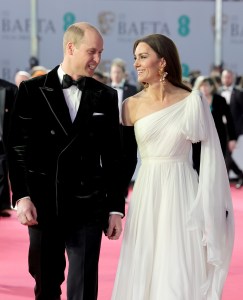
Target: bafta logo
x=106, y=21
x=225, y=21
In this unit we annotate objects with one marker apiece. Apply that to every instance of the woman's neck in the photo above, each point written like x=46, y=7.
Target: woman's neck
x=209, y=98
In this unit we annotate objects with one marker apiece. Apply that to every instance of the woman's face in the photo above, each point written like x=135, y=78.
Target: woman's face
x=147, y=63
x=206, y=88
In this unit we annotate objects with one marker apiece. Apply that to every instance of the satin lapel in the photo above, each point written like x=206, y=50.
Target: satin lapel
x=53, y=95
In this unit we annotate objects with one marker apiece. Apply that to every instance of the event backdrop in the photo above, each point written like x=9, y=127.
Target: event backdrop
x=189, y=23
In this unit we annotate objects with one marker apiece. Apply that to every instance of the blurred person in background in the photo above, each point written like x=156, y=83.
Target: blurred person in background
x=8, y=92
x=33, y=61
x=240, y=83
x=221, y=113
x=20, y=76
x=98, y=75
x=38, y=71
x=215, y=74
x=234, y=98
x=118, y=78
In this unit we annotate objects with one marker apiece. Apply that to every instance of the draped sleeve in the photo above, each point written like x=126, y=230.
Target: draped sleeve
x=213, y=197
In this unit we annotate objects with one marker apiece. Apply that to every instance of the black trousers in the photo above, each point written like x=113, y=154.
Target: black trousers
x=47, y=261
x=231, y=164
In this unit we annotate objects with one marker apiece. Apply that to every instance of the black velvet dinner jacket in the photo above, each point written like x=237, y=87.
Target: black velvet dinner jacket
x=71, y=168
x=236, y=107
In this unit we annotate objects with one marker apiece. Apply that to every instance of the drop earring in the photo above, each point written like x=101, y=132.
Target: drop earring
x=163, y=76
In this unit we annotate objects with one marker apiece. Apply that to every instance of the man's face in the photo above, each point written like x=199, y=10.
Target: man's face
x=87, y=55
x=116, y=74
x=227, y=78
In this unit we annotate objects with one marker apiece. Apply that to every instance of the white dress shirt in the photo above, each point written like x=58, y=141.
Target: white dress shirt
x=72, y=95
x=119, y=87
x=226, y=93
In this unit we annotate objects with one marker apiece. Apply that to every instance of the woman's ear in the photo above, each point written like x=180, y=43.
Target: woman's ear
x=162, y=63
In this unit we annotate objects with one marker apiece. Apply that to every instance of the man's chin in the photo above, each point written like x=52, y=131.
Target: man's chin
x=90, y=73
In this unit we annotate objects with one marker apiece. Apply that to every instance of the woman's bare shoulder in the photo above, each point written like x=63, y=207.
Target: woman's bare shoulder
x=128, y=109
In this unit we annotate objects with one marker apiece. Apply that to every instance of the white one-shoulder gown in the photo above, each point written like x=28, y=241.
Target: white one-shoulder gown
x=177, y=242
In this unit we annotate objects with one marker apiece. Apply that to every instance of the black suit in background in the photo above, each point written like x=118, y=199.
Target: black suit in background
x=8, y=92
x=129, y=90
x=236, y=108
x=129, y=143
x=226, y=132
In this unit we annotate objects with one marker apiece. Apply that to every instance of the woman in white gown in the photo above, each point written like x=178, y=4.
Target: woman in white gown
x=177, y=241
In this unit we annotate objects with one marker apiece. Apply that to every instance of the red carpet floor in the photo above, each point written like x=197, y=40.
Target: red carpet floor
x=16, y=283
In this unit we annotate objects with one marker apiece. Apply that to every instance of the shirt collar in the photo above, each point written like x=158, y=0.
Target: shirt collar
x=60, y=73
x=119, y=85
x=228, y=88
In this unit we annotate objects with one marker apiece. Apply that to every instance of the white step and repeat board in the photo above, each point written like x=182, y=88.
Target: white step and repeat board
x=189, y=23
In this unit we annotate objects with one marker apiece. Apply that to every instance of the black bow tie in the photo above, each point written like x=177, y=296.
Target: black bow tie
x=68, y=81
x=226, y=88
x=117, y=87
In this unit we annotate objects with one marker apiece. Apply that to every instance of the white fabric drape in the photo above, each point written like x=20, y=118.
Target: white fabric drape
x=213, y=196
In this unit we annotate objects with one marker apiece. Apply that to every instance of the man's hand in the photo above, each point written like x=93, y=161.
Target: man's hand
x=26, y=212
x=115, y=227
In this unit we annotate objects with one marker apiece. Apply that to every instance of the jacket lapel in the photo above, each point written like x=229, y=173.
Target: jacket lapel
x=53, y=95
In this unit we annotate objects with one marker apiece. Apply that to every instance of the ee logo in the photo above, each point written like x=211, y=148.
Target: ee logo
x=185, y=70
x=184, y=22
x=68, y=19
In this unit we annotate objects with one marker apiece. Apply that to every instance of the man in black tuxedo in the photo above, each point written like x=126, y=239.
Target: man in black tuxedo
x=65, y=158
x=8, y=92
x=234, y=98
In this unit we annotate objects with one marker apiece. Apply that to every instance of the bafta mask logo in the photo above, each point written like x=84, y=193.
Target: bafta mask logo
x=106, y=22
x=225, y=21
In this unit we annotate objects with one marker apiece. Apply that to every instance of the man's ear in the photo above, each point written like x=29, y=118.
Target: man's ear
x=70, y=48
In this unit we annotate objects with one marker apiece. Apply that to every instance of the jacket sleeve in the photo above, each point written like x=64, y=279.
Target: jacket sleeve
x=20, y=127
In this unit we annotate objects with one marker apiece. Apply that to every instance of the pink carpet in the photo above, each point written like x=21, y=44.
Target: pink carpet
x=16, y=283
